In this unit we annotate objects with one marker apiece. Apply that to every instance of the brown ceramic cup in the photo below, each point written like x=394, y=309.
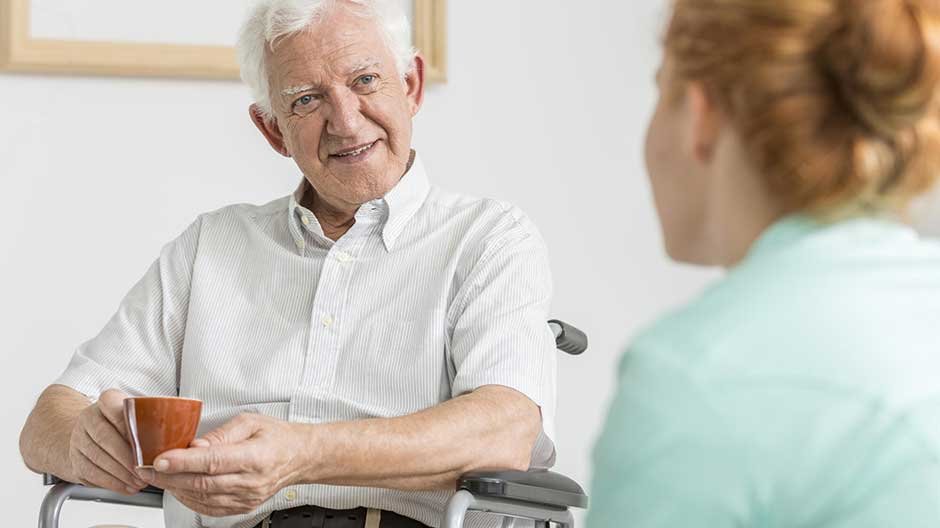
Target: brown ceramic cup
x=156, y=425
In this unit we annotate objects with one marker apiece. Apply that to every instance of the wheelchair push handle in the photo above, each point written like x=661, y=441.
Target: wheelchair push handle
x=568, y=338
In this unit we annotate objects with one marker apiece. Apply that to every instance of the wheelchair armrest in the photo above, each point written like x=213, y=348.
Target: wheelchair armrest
x=62, y=491
x=52, y=480
x=568, y=339
x=538, y=487
x=539, y=495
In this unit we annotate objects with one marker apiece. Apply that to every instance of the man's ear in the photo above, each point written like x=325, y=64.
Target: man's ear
x=270, y=130
x=414, y=85
x=705, y=119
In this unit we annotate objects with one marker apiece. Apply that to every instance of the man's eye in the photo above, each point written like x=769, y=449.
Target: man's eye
x=306, y=103
x=367, y=79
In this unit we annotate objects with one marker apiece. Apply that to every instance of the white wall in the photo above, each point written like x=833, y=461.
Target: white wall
x=546, y=107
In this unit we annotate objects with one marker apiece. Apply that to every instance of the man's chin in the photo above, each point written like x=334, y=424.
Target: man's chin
x=362, y=188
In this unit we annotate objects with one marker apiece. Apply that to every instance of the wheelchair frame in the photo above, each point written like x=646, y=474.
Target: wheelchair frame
x=543, y=496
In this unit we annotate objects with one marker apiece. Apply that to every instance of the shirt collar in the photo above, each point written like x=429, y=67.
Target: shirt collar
x=792, y=229
x=404, y=200
x=397, y=207
x=783, y=233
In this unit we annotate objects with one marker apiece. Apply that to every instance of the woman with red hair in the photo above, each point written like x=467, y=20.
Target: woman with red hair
x=803, y=389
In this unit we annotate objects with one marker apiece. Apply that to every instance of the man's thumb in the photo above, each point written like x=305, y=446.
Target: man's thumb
x=111, y=403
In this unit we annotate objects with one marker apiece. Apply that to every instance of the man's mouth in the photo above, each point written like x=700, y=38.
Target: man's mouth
x=354, y=152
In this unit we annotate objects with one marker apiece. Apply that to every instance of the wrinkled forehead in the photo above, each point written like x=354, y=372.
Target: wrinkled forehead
x=330, y=49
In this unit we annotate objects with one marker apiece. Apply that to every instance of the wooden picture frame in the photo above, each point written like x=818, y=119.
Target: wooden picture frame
x=20, y=52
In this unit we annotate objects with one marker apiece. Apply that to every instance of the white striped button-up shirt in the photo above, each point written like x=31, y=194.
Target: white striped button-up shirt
x=428, y=296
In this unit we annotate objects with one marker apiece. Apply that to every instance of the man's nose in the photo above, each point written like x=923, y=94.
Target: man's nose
x=345, y=117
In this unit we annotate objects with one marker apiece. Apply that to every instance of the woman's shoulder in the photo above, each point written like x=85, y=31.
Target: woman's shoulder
x=837, y=263
x=840, y=308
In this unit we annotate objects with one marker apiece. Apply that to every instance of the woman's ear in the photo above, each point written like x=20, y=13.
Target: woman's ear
x=269, y=129
x=705, y=119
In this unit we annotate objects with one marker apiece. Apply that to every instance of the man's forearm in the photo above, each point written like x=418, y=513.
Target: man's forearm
x=44, y=441
x=492, y=428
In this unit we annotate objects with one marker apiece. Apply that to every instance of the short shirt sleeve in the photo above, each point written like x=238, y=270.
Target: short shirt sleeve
x=500, y=334
x=139, y=349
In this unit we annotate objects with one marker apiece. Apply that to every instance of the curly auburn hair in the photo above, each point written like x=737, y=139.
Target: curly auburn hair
x=835, y=100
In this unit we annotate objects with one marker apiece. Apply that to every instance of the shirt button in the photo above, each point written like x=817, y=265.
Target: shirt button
x=290, y=495
x=343, y=257
x=328, y=321
x=300, y=244
x=305, y=220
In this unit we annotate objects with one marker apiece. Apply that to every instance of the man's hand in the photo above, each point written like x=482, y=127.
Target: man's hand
x=99, y=450
x=234, y=469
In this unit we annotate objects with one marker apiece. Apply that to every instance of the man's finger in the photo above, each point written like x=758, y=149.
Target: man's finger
x=111, y=406
x=101, y=458
x=214, y=506
x=93, y=474
x=113, y=442
x=215, y=460
x=238, y=429
x=196, y=483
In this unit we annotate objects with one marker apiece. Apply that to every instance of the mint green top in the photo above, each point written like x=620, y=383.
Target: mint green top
x=802, y=390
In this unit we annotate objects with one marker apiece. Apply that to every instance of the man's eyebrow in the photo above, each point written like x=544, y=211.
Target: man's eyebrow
x=363, y=65
x=294, y=90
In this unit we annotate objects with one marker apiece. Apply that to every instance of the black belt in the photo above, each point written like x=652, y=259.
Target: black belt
x=317, y=517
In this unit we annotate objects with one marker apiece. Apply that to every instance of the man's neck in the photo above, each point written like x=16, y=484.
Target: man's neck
x=335, y=221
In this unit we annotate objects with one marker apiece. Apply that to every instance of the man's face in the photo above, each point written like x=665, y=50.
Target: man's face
x=343, y=109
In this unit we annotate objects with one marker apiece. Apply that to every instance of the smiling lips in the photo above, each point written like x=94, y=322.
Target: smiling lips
x=354, y=152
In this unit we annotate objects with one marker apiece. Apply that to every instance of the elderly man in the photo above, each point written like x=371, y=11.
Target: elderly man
x=358, y=344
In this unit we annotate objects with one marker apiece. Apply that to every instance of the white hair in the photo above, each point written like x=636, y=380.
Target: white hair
x=270, y=20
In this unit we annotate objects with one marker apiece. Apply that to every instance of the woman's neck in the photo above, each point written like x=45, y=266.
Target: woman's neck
x=741, y=207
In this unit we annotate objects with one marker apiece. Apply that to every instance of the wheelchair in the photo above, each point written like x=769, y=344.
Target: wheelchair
x=539, y=495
